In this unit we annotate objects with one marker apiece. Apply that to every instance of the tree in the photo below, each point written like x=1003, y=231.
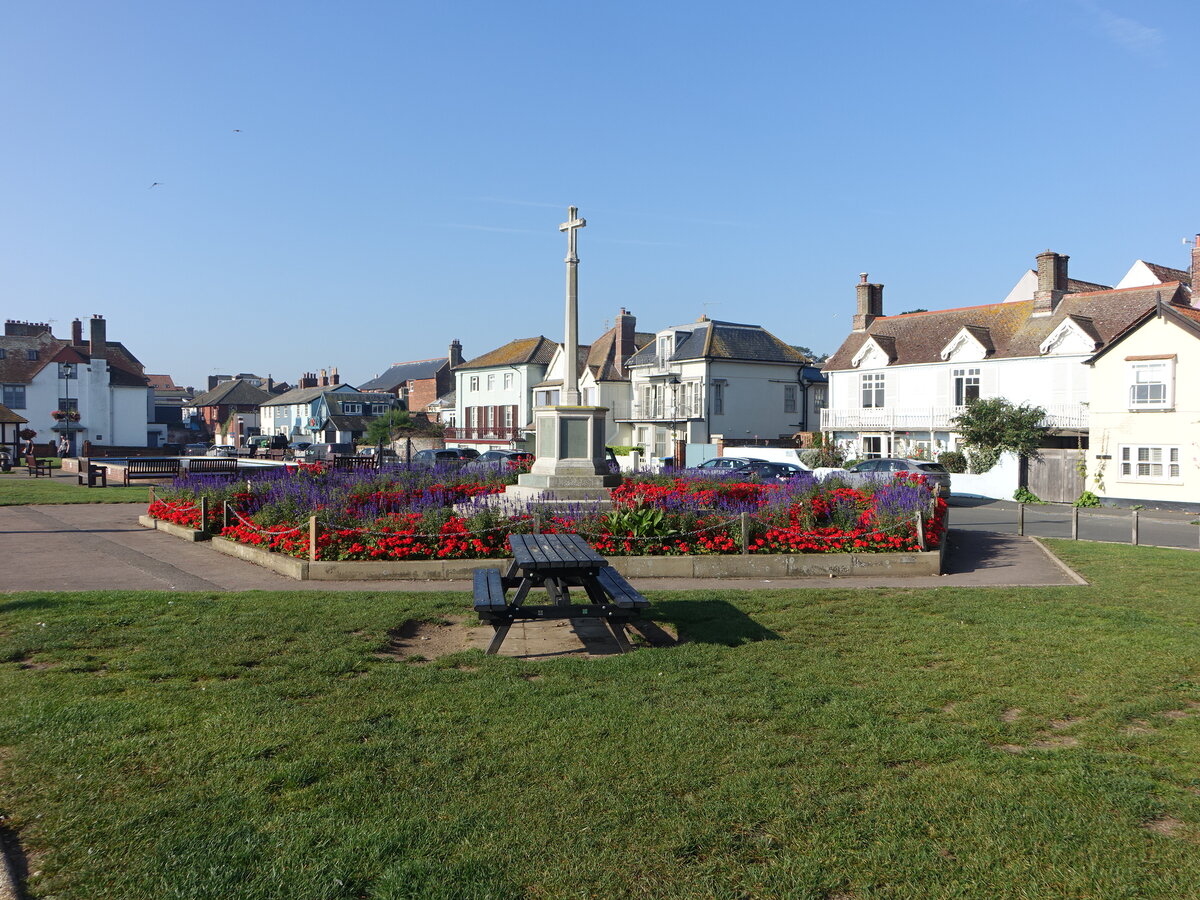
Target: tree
x=380, y=430
x=995, y=425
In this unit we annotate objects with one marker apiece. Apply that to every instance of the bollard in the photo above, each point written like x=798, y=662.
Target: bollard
x=204, y=515
x=1074, y=523
x=1134, y=536
x=1020, y=518
x=921, y=531
x=745, y=533
x=312, y=538
x=224, y=515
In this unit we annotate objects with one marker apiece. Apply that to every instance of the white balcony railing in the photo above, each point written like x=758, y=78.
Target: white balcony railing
x=927, y=418
x=664, y=411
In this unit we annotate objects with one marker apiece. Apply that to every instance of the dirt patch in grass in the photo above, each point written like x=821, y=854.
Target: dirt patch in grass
x=1138, y=727
x=1167, y=826
x=1054, y=742
x=421, y=642
x=1011, y=714
x=1065, y=722
x=1010, y=748
x=1191, y=708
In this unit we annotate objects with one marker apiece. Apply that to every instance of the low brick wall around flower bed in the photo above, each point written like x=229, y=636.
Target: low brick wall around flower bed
x=780, y=565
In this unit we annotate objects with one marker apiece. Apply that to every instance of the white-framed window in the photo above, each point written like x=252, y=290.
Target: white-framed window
x=491, y=382
x=872, y=447
x=545, y=398
x=873, y=394
x=508, y=380
x=472, y=416
x=664, y=348
x=473, y=382
x=820, y=396
x=351, y=409
x=718, y=398
x=966, y=385
x=1152, y=383
x=378, y=409
x=508, y=417
x=789, y=398
x=1150, y=462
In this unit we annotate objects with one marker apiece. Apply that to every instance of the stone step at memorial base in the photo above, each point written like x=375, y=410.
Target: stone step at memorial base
x=518, y=498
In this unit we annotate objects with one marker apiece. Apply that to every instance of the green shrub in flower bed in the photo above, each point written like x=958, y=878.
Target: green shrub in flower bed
x=440, y=514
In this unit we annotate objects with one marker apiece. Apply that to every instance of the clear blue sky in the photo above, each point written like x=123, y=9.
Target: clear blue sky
x=355, y=184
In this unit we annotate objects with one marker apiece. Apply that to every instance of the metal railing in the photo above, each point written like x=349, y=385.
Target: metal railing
x=665, y=410
x=484, y=433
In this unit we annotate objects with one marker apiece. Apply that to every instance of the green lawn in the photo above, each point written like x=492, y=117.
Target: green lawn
x=990, y=743
x=18, y=489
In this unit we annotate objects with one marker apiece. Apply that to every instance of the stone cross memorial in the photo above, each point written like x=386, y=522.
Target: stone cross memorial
x=570, y=462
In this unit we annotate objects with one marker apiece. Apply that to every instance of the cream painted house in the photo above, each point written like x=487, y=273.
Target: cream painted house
x=1145, y=411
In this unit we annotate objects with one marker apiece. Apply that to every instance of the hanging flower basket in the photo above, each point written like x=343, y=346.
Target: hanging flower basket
x=65, y=415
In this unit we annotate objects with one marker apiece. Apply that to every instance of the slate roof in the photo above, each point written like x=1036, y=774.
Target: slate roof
x=1014, y=332
x=232, y=393
x=400, y=373
x=307, y=395
x=711, y=339
x=349, y=423
x=523, y=351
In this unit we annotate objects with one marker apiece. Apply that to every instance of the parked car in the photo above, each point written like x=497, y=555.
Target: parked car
x=388, y=455
x=195, y=450
x=446, y=456
x=316, y=452
x=727, y=463
x=767, y=471
x=222, y=450
x=267, y=441
x=496, y=460
x=890, y=467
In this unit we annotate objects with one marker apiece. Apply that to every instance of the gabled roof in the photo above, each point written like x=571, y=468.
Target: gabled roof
x=524, y=351
x=307, y=395
x=1166, y=273
x=1013, y=329
x=602, y=359
x=1186, y=317
x=400, y=373
x=233, y=393
x=8, y=417
x=711, y=339
x=162, y=382
x=16, y=367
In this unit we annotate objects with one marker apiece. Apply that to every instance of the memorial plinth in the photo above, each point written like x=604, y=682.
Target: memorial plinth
x=570, y=464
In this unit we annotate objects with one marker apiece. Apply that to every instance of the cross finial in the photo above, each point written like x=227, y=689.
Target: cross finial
x=570, y=226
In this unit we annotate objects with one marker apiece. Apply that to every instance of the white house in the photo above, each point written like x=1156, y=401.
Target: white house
x=897, y=382
x=708, y=381
x=94, y=391
x=493, y=405
x=1145, y=411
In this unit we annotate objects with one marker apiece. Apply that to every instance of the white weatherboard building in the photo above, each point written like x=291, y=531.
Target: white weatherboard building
x=897, y=382
x=94, y=390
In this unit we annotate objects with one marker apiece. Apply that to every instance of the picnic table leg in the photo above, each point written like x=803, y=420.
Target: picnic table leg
x=617, y=627
x=501, y=631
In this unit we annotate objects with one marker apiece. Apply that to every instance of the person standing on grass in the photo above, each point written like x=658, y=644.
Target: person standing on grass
x=64, y=446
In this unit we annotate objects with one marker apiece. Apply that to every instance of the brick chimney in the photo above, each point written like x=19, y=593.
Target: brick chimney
x=13, y=328
x=455, y=357
x=270, y=385
x=99, y=342
x=870, y=303
x=626, y=339
x=334, y=377
x=1195, y=272
x=308, y=380
x=1052, y=282
x=77, y=333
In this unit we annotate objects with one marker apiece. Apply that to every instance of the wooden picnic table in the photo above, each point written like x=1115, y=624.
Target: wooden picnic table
x=556, y=563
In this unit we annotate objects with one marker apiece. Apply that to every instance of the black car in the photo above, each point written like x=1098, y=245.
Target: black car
x=766, y=471
x=448, y=457
x=496, y=460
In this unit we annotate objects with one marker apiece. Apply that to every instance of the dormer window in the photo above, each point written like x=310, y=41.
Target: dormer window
x=31, y=355
x=665, y=347
x=351, y=409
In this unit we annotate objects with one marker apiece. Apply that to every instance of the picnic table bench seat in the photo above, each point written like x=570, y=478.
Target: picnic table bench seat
x=621, y=591
x=150, y=468
x=489, y=592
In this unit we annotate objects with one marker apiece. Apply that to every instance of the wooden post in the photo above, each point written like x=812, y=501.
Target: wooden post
x=921, y=530
x=312, y=538
x=1134, y=537
x=204, y=515
x=224, y=514
x=1074, y=523
x=152, y=494
x=745, y=533
x=1020, y=518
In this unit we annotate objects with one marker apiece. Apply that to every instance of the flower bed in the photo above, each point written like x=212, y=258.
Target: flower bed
x=440, y=514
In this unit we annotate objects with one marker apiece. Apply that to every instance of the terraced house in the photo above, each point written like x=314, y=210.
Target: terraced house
x=897, y=382
x=494, y=394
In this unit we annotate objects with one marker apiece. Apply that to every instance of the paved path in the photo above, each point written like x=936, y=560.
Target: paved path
x=101, y=547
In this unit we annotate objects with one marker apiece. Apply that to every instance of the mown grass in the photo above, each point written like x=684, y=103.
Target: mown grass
x=982, y=743
x=18, y=489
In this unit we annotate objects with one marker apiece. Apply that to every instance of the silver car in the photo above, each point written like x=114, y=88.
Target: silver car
x=888, y=468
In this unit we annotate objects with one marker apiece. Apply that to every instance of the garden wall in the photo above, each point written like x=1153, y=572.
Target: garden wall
x=998, y=483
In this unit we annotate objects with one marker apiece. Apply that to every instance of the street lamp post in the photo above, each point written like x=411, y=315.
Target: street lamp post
x=67, y=371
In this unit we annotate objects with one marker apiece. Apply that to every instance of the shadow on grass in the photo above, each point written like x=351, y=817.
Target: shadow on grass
x=12, y=863
x=27, y=603
x=710, y=622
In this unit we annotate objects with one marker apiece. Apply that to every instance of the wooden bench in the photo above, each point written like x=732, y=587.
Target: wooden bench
x=212, y=465
x=489, y=593
x=39, y=468
x=94, y=473
x=151, y=468
x=621, y=591
x=355, y=463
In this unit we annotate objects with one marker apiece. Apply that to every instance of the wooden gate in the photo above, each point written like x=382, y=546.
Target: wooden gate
x=1055, y=477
